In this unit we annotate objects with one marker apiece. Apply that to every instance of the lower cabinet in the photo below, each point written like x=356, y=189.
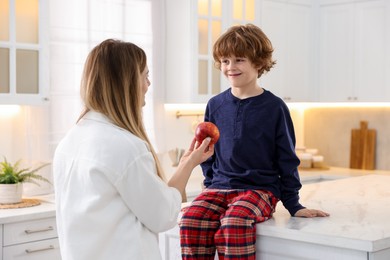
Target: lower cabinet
x=30, y=240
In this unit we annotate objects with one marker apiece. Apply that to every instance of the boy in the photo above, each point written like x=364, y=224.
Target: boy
x=254, y=165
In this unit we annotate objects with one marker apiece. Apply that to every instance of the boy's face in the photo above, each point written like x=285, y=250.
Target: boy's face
x=240, y=72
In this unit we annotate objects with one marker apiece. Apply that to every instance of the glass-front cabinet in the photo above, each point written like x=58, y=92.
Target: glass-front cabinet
x=213, y=18
x=192, y=29
x=23, y=52
x=190, y=72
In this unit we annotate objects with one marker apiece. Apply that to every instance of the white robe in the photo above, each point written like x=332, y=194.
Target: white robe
x=110, y=203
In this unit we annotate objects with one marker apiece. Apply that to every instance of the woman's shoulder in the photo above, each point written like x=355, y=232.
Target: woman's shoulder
x=102, y=137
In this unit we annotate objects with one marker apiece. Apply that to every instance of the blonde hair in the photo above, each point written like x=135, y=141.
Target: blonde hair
x=111, y=85
x=247, y=41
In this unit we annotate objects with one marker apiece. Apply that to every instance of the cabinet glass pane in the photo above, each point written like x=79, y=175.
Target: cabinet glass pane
x=27, y=72
x=216, y=78
x=216, y=8
x=250, y=10
x=215, y=30
x=4, y=20
x=203, y=7
x=26, y=21
x=202, y=77
x=4, y=70
x=203, y=36
x=237, y=9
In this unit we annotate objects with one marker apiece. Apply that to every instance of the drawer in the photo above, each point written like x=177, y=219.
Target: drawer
x=41, y=250
x=28, y=231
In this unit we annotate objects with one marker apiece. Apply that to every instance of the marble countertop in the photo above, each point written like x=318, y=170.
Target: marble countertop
x=359, y=214
x=307, y=176
x=333, y=173
x=45, y=210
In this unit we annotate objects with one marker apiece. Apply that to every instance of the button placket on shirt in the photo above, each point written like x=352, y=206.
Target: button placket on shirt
x=239, y=119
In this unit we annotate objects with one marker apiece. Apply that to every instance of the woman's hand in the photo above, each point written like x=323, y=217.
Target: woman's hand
x=310, y=213
x=198, y=152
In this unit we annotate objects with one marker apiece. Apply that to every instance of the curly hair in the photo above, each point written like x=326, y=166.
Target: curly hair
x=247, y=41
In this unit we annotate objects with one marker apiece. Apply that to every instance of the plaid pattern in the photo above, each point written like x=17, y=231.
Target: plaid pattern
x=224, y=220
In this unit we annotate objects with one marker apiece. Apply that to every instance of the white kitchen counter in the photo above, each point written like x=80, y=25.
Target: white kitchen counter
x=358, y=227
x=334, y=173
x=359, y=223
x=306, y=175
x=30, y=233
x=45, y=210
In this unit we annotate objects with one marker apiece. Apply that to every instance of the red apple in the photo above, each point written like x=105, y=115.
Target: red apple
x=207, y=129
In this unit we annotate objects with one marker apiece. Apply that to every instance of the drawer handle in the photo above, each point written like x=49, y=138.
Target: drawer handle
x=29, y=231
x=29, y=251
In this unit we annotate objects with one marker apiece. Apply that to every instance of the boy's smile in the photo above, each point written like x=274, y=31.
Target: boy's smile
x=240, y=72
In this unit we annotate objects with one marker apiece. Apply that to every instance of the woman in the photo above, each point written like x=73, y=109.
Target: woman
x=111, y=200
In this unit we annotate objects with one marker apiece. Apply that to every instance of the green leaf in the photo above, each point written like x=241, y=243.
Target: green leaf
x=11, y=174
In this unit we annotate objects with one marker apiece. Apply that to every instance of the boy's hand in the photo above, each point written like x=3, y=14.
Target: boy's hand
x=310, y=213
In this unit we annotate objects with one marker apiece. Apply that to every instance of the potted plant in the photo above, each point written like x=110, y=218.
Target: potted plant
x=12, y=179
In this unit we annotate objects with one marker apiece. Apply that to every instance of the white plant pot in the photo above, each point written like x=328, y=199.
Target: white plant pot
x=11, y=193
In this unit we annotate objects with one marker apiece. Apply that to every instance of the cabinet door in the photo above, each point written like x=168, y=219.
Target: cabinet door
x=336, y=61
x=40, y=250
x=288, y=27
x=354, y=52
x=192, y=27
x=372, y=51
x=24, y=40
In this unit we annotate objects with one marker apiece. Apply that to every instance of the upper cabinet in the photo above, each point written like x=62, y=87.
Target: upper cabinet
x=24, y=59
x=326, y=50
x=192, y=28
x=354, y=61
x=289, y=26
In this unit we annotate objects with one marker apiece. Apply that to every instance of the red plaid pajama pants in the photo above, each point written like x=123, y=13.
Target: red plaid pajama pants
x=224, y=220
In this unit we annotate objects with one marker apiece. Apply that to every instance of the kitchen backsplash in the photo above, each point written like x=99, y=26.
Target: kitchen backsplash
x=329, y=130
x=325, y=129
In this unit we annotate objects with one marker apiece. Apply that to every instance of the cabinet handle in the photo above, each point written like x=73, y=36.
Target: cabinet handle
x=29, y=231
x=29, y=251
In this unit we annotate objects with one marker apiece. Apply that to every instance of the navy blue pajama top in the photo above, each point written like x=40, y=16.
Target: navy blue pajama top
x=256, y=149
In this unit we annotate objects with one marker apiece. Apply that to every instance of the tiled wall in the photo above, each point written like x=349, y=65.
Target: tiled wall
x=329, y=130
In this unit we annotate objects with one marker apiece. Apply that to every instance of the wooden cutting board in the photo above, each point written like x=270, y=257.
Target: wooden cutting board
x=363, y=144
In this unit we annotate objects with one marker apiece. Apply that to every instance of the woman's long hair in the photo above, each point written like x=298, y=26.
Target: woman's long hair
x=111, y=85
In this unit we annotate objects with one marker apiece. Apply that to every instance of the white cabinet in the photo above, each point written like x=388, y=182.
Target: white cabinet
x=289, y=26
x=24, y=45
x=192, y=27
x=178, y=67
x=326, y=50
x=354, y=51
x=31, y=240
